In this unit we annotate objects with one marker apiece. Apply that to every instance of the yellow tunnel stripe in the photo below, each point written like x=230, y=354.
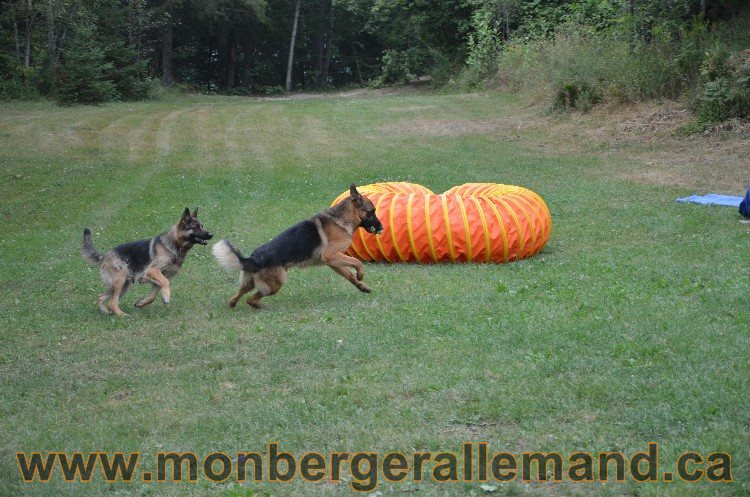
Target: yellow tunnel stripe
x=502, y=228
x=427, y=204
x=483, y=220
x=444, y=202
x=393, y=232
x=410, y=228
x=469, y=254
x=377, y=238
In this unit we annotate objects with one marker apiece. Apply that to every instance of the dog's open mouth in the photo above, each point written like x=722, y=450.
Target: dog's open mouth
x=201, y=239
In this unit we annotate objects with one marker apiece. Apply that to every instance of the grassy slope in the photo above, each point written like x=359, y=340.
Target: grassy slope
x=631, y=326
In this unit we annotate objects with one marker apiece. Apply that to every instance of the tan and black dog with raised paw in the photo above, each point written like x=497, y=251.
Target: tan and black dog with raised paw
x=154, y=261
x=322, y=239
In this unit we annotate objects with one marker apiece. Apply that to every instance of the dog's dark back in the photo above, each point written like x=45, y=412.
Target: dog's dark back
x=136, y=254
x=294, y=245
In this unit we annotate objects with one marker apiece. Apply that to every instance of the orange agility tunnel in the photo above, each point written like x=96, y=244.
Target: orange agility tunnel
x=474, y=222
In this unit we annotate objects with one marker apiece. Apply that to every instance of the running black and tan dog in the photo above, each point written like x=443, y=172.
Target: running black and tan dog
x=154, y=261
x=322, y=239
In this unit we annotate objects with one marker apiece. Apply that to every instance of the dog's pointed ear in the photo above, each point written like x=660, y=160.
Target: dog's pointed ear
x=195, y=212
x=356, y=196
x=185, y=216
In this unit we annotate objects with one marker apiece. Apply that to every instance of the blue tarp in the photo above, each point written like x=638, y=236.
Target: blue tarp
x=712, y=198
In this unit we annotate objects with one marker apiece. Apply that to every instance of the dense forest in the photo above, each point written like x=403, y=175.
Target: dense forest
x=573, y=53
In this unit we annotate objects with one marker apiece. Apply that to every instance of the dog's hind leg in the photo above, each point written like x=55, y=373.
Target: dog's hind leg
x=247, y=283
x=102, y=299
x=269, y=282
x=119, y=286
x=150, y=297
x=254, y=301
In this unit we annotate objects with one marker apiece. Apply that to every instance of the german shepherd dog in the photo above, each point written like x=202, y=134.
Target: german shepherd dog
x=154, y=261
x=322, y=239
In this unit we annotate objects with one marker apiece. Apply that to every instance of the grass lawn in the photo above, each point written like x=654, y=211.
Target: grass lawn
x=633, y=324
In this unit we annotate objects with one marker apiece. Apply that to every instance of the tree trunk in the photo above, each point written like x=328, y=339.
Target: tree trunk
x=506, y=22
x=231, y=63
x=329, y=43
x=166, y=54
x=246, y=62
x=27, y=48
x=61, y=44
x=16, y=41
x=51, y=36
x=356, y=65
x=317, y=43
x=130, y=23
x=31, y=15
x=288, y=85
x=631, y=5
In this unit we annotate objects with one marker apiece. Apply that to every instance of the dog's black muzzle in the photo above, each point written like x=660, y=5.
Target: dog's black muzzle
x=201, y=238
x=372, y=225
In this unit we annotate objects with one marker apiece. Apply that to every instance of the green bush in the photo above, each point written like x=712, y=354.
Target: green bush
x=715, y=101
x=272, y=90
x=18, y=83
x=395, y=68
x=726, y=88
x=577, y=67
x=401, y=66
x=149, y=89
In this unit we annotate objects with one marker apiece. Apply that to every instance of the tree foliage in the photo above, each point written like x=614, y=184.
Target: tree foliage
x=94, y=50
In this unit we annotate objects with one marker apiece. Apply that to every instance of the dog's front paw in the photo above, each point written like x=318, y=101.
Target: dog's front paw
x=165, y=299
x=363, y=288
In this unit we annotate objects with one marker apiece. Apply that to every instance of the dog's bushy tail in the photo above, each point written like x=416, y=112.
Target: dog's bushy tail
x=230, y=258
x=88, y=251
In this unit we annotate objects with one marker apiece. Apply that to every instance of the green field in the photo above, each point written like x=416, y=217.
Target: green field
x=633, y=324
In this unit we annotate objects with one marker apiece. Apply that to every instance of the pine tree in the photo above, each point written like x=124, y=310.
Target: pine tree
x=82, y=74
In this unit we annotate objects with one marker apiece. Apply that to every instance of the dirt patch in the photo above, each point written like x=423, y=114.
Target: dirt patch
x=646, y=144
x=649, y=120
x=650, y=138
x=358, y=93
x=733, y=127
x=642, y=142
x=411, y=108
x=700, y=164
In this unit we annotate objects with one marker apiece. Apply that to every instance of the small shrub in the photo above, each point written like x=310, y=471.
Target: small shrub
x=273, y=90
x=725, y=92
x=395, y=69
x=19, y=82
x=715, y=101
x=469, y=79
x=575, y=95
x=183, y=88
x=242, y=91
x=444, y=68
x=151, y=89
